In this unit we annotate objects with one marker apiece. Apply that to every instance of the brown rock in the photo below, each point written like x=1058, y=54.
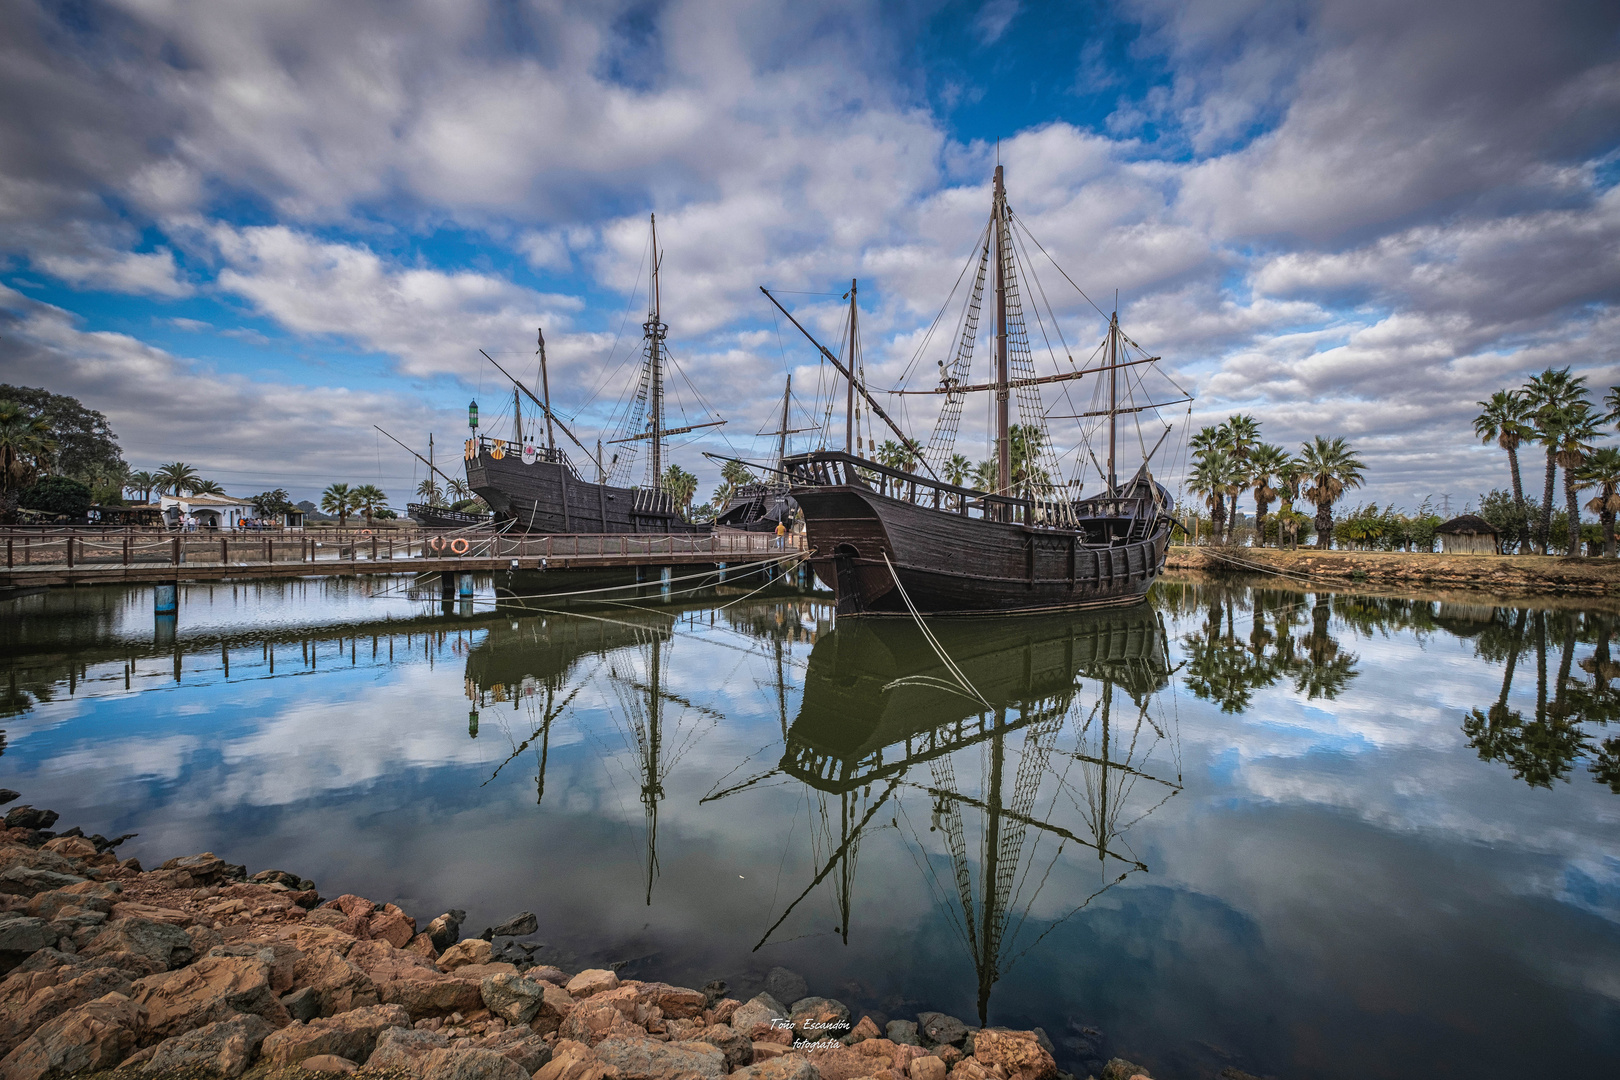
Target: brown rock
x=590, y=1022
x=223, y=1048
x=512, y=997
x=1120, y=1069
x=866, y=1029
x=570, y=1060
x=547, y=973
x=43, y=996
x=163, y=944
x=519, y=1045
x=212, y=989
x=308, y=937
x=471, y=951
x=279, y=956
x=59, y=902
x=391, y=925
x=782, y=1067
x=950, y=1055
x=586, y=983
x=342, y=985
x=676, y=1001
x=765, y=1051
x=207, y=867
x=471, y=1064
x=94, y=1036
x=969, y=1069
x=130, y=909
x=723, y=1010
x=403, y=1049
x=328, y=917
x=927, y=1068
x=819, y=1018
x=772, y=1033
x=422, y=945
x=737, y=1047
x=71, y=847
x=636, y=1057
x=328, y=1063
x=352, y=905
x=351, y=1035
x=555, y=1005
x=480, y=972
x=844, y=1063
x=1017, y=1052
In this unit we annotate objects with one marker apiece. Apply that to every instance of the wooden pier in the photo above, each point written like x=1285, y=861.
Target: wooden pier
x=43, y=557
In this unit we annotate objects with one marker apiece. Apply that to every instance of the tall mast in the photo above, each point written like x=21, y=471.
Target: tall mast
x=1113, y=395
x=655, y=334
x=851, y=444
x=781, y=442
x=1003, y=441
x=517, y=417
x=545, y=388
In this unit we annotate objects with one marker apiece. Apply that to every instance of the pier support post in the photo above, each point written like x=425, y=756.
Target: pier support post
x=466, y=586
x=166, y=598
x=665, y=573
x=722, y=577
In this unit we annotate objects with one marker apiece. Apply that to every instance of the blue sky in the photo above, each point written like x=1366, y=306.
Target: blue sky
x=249, y=231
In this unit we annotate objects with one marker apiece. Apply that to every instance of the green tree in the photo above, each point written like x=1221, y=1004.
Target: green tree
x=1239, y=435
x=429, y=492
x=1546, y=395
x=84, y=445
x=205, y=487
x=957, y=468
x=898, y=456
x=58, y=495
x=272, y=504
x=175, y=477
x=142, y=482
x=733, y=475
x=984, y=476
x=1266, y=463
x=26, y=448
x=1572, y=428
x=1331, y=468
x=679, y=485
x=1208, y=441
x=1213, y=474
x=338, y=499
x=368, y=499
x=1506, y=419
x=1601, y=470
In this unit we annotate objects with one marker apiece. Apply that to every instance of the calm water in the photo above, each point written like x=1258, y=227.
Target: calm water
x=1304, y=834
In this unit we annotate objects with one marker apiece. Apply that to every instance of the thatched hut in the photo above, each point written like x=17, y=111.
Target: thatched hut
x=1468, y=534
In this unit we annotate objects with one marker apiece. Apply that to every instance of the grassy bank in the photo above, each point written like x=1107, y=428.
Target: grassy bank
x=1505, y=575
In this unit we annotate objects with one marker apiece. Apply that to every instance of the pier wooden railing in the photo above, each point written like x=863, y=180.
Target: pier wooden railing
x=69, y=549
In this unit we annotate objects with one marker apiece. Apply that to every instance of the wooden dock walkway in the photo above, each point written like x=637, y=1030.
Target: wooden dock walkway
x=42, y=557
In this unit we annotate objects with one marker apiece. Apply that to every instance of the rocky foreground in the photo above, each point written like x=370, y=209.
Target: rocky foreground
x=196, y=969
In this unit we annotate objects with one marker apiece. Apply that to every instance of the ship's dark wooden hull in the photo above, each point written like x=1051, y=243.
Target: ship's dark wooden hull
x=547, y=497
x=438, y=517
x=758, y=511
x=951, y=563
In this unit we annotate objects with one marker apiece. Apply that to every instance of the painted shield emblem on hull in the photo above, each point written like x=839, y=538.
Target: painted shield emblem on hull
x=529, y=452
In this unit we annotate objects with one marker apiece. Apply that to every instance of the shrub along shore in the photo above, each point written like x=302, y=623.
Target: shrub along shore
x=1501, y=575
x=199, y=969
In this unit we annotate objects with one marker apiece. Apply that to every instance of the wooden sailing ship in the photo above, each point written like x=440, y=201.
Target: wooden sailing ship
x=886, y=539
x=538, y=488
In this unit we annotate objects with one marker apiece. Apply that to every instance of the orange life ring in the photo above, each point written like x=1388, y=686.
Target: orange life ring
x=458, y=546
x=437, y=543
x=365, y=532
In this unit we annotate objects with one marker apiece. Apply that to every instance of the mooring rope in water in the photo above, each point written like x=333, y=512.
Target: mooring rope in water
x=933, y=643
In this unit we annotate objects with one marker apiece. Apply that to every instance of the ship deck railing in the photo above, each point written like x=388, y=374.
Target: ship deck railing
x=555, y=455
x=836, y=468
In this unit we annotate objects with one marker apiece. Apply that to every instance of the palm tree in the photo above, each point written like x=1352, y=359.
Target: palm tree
x=429, y=492
x=204, y=487
x=176, y=477
x=984, y=475
x=25, y=446
x=458, y=490
x=1602, y=471
x=1572, y=427
x=369, y=498
x=1266, y=464
x=898, y=456
x=1210, y=441
x=1545, y=394
x=1331, y=468
x=1239, y=435
x=1212, y=477
x=957, y=469
x=339, y=500
x=142, y=482
x=1506, y=419
x=679, y=485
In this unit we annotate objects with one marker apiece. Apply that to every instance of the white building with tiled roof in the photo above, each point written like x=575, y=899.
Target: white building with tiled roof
x=207, y=511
